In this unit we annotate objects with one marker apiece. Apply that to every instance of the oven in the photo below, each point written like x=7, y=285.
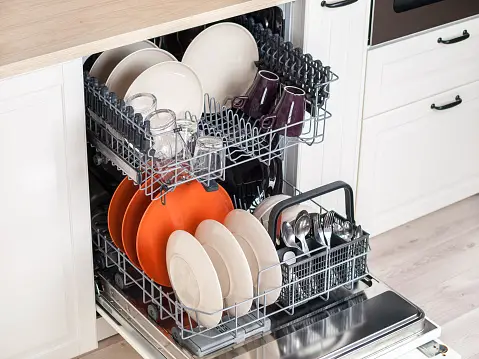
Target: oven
x=393, y=19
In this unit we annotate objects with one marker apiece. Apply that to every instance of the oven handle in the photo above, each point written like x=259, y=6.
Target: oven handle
x=465, y=35
x=338, y=4
x=457, y=102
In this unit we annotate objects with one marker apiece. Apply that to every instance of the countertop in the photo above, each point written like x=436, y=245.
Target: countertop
x=39, y=33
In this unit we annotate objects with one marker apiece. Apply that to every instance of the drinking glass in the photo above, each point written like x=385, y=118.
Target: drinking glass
x=188, y=130
x=288, y=112
x=142, y=103
x=166, y=143
x=260, y=97
x=209, y=157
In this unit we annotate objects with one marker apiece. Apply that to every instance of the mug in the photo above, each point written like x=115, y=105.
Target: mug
x=260, y=97
x=288, y=112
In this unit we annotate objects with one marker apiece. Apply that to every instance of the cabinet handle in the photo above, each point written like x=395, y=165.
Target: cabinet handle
x=465, y=35
x=449, y=105
x=338, y=4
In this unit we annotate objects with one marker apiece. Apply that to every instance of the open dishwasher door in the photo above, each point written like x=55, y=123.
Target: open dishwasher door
x=371, y=321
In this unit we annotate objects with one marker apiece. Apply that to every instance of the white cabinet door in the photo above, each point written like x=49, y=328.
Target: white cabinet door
x=418, y=67
x=47, y=305
x=415, y=160
x=338, y=37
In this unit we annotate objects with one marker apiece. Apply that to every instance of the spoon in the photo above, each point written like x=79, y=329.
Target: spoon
x=302, y=226
x=287, y=235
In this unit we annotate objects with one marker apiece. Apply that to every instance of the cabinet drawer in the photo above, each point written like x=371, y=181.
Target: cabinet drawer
x=420, y=67
x=415, y=160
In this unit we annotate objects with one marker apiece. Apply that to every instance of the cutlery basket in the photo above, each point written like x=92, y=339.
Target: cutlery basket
x=324, y=269
x=124, y=139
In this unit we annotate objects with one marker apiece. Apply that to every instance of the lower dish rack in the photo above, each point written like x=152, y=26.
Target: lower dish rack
x=312, y=276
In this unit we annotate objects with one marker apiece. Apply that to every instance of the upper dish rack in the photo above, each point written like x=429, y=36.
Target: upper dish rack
x=123, y=137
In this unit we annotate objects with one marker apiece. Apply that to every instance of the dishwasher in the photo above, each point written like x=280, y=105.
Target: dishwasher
x=330, y=305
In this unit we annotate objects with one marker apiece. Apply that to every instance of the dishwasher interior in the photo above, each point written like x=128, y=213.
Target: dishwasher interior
x=329, y=304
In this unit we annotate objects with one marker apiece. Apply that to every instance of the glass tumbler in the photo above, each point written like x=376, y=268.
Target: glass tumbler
x=209, y=157
x=142, y=103
x=166, y=143
x=188, y=130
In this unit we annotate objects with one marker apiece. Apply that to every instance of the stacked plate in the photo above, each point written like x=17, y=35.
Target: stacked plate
x=215, y=258
x=219, y=61
x=222, y=267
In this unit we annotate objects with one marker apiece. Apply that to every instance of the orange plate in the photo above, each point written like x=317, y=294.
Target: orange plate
x=118, y=204
x=186, y=207
x=131, y=221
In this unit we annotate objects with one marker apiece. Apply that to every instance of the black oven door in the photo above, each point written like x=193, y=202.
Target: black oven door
x=393, y=19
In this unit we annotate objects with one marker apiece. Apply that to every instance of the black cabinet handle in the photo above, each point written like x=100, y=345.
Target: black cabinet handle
x=338, y=4
x=449, y=105
x=465, y=35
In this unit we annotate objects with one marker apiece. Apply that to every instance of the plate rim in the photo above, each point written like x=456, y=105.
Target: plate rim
x=126, y=58
x=240, y=260
x=213, y=28
x=207, y=265
x=272, y=256
x=120, y=188
x=115, y=48
x=175, y=63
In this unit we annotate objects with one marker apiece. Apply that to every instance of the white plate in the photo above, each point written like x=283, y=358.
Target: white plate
x=230, y=263
x=259, y=251
x=193, y=278
x=132, y=66
x=175, y=85
x=264, y=209
x=268, y=203
x=223, y=56
x=106, y=62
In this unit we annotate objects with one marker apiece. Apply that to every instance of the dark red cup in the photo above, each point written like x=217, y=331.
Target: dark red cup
x=260, y=97
x=288, y=112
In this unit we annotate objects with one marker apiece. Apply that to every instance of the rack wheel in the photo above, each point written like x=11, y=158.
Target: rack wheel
x=120, y=283
x=153, y=312
x=99, y=262
x=98, y=160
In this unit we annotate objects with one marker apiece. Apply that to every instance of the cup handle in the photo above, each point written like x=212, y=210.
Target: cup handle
x=267, y=122
x=238, y=102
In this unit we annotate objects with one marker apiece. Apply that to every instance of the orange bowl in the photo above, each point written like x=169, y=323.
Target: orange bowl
x=186, y=207
x=116, y=211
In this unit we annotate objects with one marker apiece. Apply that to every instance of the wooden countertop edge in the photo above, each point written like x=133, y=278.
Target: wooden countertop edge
x=71, y=53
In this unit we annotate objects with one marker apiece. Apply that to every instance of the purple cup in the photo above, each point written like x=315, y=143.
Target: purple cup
x=288, y=112
x=260, y=97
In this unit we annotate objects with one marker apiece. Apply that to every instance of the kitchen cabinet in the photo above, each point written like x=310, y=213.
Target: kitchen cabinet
x=419, y=67
x=48, y=304
x=415, y=159
x=337, y=36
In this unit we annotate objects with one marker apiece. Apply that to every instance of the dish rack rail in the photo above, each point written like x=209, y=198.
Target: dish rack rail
x=314, y=275
x=123, y=138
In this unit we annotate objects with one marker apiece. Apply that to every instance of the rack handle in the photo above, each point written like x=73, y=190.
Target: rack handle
x=338, y=4
x=457, y=102
x=465, y=35
x=306, y=196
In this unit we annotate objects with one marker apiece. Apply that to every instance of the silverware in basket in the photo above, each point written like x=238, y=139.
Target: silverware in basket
x=287, y=235
x=302, y=226
x=328, y=222
x=317, y=231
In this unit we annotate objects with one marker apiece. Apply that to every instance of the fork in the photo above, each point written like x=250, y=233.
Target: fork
x=328, y=227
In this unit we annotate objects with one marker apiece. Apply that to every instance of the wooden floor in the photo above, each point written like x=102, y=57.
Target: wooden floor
x=434, y=261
